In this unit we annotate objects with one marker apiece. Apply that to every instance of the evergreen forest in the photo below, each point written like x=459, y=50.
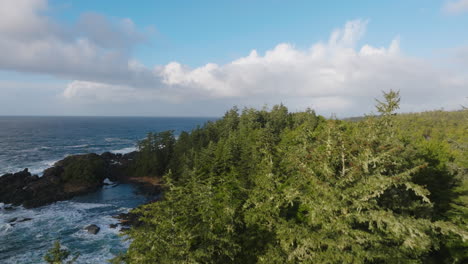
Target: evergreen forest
x=273, y=186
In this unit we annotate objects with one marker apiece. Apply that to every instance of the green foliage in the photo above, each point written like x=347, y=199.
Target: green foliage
x=155, y=154
x=83, y=168
x=59, y=255
x=277, y=187
x=441, y=140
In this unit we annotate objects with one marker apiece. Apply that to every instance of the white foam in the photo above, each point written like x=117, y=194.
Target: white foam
x=111, y=139
x=85, y=206
x=41, y=166
x=124, y=150
x=5, y=228
x=107, y=181
x=78, y=146
x=65, y=221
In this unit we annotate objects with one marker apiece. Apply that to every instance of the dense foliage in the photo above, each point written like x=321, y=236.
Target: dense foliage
x=277, y=187
x=88, y=168
x=59, y=255
x=155, y=153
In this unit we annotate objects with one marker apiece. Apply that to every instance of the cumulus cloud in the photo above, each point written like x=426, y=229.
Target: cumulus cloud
x=332, y=76
x=456, y=7
x=96, y=48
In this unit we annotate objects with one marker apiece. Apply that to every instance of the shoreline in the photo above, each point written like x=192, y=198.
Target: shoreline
x=72, y=176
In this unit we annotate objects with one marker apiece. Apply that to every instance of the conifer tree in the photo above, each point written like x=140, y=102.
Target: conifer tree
x=59, y=255
x=279, y=187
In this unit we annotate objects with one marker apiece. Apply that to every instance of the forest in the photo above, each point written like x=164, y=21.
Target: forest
x=273, y=186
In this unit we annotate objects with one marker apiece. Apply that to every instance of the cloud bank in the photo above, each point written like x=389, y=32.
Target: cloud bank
x=456, y=7
x=335, y=75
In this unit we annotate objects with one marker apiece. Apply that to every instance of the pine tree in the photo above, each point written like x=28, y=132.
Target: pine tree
x=276, y=187
x=59, y=255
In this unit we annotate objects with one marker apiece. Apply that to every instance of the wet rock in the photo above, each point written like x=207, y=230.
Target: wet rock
x=24, y=219
x=93, y=229
x=9, y=208
x=16, y=220
x=113, y=225
x=12, y=187
x=129, y=219
x=123, y=229
x=74, y=175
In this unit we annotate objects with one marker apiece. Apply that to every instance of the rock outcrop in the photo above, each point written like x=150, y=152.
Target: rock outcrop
x=74, y=175
x=93, y=229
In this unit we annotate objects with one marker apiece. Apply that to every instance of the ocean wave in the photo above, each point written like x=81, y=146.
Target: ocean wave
x=34, y=168
x=5, y=228
x=85, y=206
x=64, y=221
x=78, y=146
x=40, y=166
x=124, y=150
x=28, y=150
x=27, y=242
x=115, y=139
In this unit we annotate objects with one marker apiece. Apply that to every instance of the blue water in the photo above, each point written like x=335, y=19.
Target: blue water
x=36, y=143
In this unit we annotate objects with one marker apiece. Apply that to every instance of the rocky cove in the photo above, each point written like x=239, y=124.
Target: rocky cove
x=72, y=176
x=83, y=200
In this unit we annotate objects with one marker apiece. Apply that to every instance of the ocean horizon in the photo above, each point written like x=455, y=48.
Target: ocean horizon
x=36, y=142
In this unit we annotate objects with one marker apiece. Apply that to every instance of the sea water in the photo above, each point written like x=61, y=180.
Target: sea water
x=36, y=143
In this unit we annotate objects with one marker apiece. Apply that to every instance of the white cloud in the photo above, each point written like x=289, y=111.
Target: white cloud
x=456, y=7
x=93, y=49
x=332, y=76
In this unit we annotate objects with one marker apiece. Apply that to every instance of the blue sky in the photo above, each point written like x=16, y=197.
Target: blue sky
x=199, y=32
x=80, y=57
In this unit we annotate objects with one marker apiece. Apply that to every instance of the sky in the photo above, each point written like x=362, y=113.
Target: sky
x=200, y=58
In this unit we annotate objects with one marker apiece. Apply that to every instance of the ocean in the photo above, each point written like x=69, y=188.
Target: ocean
x=37, y=143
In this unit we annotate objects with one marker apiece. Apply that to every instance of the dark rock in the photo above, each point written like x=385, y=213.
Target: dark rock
x=9, y=208
x=12, y=186
x=24, y=220
x=128, y=219
x=93, y=229
x=113, y=225
x=15, y=220
x=118, y=165
x=74, y=175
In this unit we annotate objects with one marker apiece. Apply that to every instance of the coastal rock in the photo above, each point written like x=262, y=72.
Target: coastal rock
x=124, y=229
x=118, y=165
x=129, y=219
x=12, y=187
x=15, y=220
x=74, y=175
x=24, y=220
x=93, y=229
x=8, y=208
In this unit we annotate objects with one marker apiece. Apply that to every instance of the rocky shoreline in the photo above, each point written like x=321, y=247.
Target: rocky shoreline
x=72, y=176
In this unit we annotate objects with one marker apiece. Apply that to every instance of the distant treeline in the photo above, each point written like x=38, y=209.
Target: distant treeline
x=270, y=186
